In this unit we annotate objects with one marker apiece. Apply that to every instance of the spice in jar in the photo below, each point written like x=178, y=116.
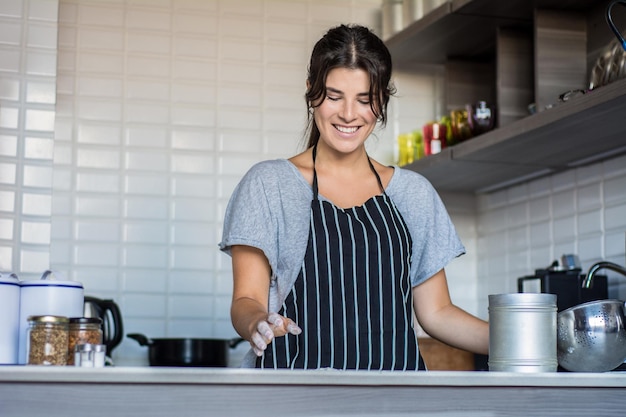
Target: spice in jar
x=83, y=330
x=47, y=340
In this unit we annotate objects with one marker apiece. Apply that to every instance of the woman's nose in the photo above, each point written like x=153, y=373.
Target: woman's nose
x=347, y=111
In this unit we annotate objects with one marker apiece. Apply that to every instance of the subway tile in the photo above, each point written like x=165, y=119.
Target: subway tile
x=157, y=90
x=150, y=20
x=42, y=35
x=41, y=63
x=99, y=87
x=198, y=24
x=94, y=39
x=239, y=119
x=240, y=141
x=517, y=214
x=146, y=184
x=236, y=165
x=330, y=14
x=144, y=280
x=145, y=306
x=8, y=145
x=36, y=204
x=285, y=120
x=188, y=257
x=9, y=89
x=241, y=27
x=147, y=160
x=97, y=230
x=240, y=95
x=590, y=246
x=248, y=74
x=66, y=38
x=191, y=327
x=8, y=173
x=190, y=306
x=99, y=110
x=285, y=54
x=37, y=176
x=192, y=164
x=146, y=208
x=97, y=182
x=151, y=232
x=11, y=9
x=615, y=244
x=6, y=228
x=145, y=136
x=564, y=203
x=192, y=186
x=146, y=112
x=615, y=190
x=589, y=223
x=148, y=43
x=241, y=51
x=289, y=30
x=39, y=120
x=98, y=134
x=144, y=256
x=46, y=10
x=539, y=209
x=286, y=10
x=190, y=282
x=614, y=217
x=188, y=70
x=94, y=254
x=7, y=200
x=147, y=67
x=35, y=232
x=92, y=62
x=188, y=209
x=517, y=239
x=9, y=117
x=97, y=206
x=564, y=229
x=615, y=167
x=6, y=258
x=196, y=234
x=98, y=158
x=242, y=8
x=10, y=60
x=40, y=92
x=192, y=139
x=99, y=15
x=193, y=116
x=589, y=197
x=62, y=180
x=34, y=261
x=195, y=47
x=279, y=76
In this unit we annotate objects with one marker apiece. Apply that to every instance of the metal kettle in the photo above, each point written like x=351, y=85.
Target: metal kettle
x=112, y=326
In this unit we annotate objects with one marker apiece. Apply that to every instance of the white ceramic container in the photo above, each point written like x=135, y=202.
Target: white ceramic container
x=9, y=318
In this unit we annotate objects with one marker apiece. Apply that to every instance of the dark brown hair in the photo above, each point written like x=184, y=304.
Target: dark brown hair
x=353, y=47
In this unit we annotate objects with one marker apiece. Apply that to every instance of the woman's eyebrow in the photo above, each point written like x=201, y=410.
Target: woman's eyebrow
x=336, y=91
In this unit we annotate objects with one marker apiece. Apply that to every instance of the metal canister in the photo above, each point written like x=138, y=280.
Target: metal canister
x=522, y=332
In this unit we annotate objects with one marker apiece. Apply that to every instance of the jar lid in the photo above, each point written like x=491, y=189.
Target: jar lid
x=85, y=320
x=48, y=319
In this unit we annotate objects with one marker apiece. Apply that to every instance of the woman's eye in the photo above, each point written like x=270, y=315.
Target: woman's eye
x=364, y=102
x=332, y=98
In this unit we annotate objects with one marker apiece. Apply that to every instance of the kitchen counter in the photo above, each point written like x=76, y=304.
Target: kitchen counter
x=137, y=391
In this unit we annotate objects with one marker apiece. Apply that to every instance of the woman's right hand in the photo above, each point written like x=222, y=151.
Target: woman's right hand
x=274, y=325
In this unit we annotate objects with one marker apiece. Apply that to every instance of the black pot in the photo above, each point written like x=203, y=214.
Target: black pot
x=187, y=351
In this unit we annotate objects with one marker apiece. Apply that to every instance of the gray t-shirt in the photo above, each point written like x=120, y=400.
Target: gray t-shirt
x=270, y=210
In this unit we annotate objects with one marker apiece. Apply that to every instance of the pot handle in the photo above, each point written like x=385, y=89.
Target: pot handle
x=143, y=340
x=609, y=20
x=234, y=342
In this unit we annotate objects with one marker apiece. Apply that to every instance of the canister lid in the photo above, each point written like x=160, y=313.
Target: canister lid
x=9, y=279
x=48, y=319
x=85, y=320
x=522, y=299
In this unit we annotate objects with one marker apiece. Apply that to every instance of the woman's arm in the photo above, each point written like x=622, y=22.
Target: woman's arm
x=446, y=322
x=249, y=308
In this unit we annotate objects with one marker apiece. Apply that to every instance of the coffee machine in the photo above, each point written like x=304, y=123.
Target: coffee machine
x=566, y=281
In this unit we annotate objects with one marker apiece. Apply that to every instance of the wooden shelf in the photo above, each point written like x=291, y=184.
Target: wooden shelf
x=586, y=129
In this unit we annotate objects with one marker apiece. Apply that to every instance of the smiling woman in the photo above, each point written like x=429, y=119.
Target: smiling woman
x=333, y=253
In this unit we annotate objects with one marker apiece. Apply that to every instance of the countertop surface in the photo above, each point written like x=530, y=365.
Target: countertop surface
x=239, y=376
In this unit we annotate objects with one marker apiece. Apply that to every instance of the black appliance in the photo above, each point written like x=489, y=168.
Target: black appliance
x=566, y=284
x=112, y=326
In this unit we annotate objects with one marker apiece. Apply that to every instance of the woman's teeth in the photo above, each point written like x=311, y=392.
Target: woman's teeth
x=344, y=129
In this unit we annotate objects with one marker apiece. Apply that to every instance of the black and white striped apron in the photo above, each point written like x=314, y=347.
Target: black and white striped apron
x=352, y=297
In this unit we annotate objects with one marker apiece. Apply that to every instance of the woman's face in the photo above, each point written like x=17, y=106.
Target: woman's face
x=345, y=118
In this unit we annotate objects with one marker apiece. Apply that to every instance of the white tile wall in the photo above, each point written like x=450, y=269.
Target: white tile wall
x=159, y=107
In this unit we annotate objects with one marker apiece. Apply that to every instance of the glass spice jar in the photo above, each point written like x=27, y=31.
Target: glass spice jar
x=47, y=340
x=83, y=330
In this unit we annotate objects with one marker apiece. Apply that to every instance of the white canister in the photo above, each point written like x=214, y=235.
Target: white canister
x=9, y=322
x=522, y=332
x=48, y=296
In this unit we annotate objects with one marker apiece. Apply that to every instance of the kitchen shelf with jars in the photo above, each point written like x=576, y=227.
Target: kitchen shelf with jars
x=535, y=63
